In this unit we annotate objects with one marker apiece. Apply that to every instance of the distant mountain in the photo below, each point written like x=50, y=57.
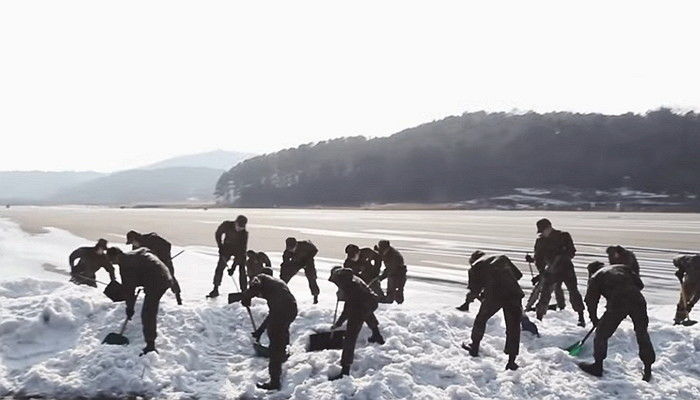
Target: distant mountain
x=138, y=186
x=479, y=155
x=38, y=186
x=217, y=159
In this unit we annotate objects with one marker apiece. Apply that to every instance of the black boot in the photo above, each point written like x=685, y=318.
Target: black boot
x=376, y=337
x=269, y=385
x=316, y=299
x=595, y=369
x=473, y=350
x=214, y=293
x=463, y=307
x=512, y=366
x=581, y=319
x=150, y=346
x=647, y=373
x=343, y=372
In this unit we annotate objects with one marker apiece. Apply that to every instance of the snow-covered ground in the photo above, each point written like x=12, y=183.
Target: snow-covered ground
x=50, y=334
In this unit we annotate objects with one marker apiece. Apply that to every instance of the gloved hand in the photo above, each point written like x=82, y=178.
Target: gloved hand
x=256, y=334
x=246, y=301
x=528, y=258
x=594, y=319
x=679, y=274
x=129, y=313
x=230, y=271
x=535, y=279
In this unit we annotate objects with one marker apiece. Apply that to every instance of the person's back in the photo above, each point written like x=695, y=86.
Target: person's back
x=275, y=292
x=356, y=292
x=158, y=246
x=497, y=276
x=143, y=268
x=618, y=284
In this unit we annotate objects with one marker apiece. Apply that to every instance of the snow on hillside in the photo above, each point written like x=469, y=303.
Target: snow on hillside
x=50, y=334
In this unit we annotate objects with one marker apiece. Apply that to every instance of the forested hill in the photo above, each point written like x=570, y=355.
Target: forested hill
x=478, y=155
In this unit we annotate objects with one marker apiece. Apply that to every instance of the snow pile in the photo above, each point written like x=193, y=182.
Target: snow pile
x=50, y=338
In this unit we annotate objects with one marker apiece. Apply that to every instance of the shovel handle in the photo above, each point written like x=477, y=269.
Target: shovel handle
x=173, y=257
x=588, y=334
x=252, y=321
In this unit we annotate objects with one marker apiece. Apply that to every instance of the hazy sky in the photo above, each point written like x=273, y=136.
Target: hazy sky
x=110, y=85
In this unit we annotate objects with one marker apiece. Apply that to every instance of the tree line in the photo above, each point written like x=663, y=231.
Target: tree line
x=475, y=155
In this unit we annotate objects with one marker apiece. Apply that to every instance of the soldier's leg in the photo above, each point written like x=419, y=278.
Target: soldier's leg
x=487, y=309
x=220, y=266
x=606, y=327
x=310, y=272
x=149, y=316
x=640, y=319
x=352, y=331
x=278, y=332
x=239, y=261
x=548, y=283
x=400, y=283
x=559, y=296
x=574, y=295
x=534, y=295
x=513, y=314
x=391, y=286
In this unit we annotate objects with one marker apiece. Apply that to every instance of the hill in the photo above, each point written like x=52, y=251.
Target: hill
x=38, y=186
x=217, y=159
x=480, y=156
x=161, y=185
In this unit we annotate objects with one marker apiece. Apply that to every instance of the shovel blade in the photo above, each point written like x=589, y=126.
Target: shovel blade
x=326, y=340
x=529, y=326
x=115, y=291
x=234, y=297
x=116, y=339
x=575, y=349
x=260, y=350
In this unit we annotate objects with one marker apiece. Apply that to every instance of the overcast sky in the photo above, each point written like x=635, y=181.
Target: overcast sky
x=111, y=85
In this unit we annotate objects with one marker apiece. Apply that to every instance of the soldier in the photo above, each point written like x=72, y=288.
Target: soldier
x=255, y=263
x=689, y=276
x=142, y=268
x=365, y=263
x=394, y=270
x=91, y=260
x=161, y=248
x=360, y=303
x=494, y=280
x=298, y=255
x=283, y=311
x=620, y=255
x=232, y=240
x=554, y=250
x=622, y=290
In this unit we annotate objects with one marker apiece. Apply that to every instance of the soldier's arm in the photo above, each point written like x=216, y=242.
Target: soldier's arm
x=570, y=248
x=110, y=269
x=540, y=262
x=71, y=259
x=254, y=289
x=244, y=243
x=218, y=235
x=343, y=316
x=592, y=298
x=476, y=283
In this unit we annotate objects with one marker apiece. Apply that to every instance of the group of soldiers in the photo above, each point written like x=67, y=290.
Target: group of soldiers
x=149, y=265
x=493, y=279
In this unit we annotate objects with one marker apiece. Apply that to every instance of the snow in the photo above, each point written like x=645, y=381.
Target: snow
x=50, y=334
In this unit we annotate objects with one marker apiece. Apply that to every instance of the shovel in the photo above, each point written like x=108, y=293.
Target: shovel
x=260, y=350
x=119, y=338
x=115, y=291
x=576, y=348
x=328, y=340
x=529, y=326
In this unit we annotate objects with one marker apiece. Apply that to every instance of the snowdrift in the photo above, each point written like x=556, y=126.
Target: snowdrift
x=50, y=334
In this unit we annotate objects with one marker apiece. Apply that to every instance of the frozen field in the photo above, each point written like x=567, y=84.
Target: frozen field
x=50, y=330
